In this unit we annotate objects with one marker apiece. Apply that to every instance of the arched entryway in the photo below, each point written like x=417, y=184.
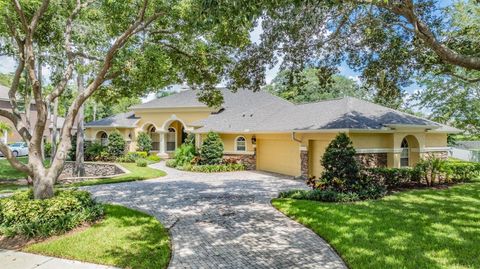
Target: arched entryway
x=151, y=130
x=410, y=153
x=102, y=138
x=175, y=135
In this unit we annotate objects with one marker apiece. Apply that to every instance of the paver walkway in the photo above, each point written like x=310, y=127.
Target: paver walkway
x=224, y=220
x=10, y=259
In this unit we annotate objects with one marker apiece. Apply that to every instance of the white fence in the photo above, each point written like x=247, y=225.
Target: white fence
x=465, y=154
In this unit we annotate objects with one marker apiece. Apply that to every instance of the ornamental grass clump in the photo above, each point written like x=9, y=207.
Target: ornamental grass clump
x=20, y=214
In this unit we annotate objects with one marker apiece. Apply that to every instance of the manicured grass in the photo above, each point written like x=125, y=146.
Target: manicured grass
x=125, y=238
x=413, y=229
x=136, y=173
x=8, y=172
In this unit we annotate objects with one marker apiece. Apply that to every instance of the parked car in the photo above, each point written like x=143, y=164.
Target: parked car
x=18, y=149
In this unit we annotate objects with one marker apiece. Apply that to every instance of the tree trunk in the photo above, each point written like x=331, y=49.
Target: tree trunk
x=42, y=187
x=40, y=81
x=54, y=130
x=79, y=155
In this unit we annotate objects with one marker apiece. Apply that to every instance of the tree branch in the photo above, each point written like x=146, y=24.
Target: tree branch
x=60, y=88
x=14, y=162
x=406, y=9
x=21, y=15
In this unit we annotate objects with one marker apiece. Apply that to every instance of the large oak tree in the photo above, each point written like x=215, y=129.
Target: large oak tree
x=130, y=46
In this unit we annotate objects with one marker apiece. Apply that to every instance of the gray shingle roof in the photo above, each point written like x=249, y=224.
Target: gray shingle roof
x=177, y=100
x=344, y=113
x=247, y=111
x=127, y=119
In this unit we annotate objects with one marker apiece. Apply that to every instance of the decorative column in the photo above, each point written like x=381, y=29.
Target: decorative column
x=163, y=146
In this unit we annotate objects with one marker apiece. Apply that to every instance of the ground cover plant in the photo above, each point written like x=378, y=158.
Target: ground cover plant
x=20, y=214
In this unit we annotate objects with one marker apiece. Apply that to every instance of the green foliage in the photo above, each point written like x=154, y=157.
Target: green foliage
x=308, y=87
x=394, y=177
x=185, y=154
x=211, y=151
x=144, y=142
x=154, y=158
x=21, y=215
x=95, y=151
x=116, y=144
x=320, y=195
x=141, y=154
x=212, y=168
x=430, y=170
x=171, y=163
x=143, y=241
x=142, y=163
x=47, y=148
x=341, y=168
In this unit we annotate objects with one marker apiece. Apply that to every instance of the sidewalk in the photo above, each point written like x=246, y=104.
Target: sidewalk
x=10, y=259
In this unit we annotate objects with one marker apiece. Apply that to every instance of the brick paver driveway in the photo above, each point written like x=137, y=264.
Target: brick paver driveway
x=224, y=220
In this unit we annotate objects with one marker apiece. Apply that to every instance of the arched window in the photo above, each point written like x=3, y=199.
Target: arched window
x=104, y=139
x=240, y=144
x=404, y=156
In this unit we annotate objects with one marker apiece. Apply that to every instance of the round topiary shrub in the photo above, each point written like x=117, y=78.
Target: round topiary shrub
x=20, y=214
x=211, y=151
x=116, y=144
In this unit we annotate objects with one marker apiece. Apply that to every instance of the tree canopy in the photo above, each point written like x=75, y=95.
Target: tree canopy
x=310, y=89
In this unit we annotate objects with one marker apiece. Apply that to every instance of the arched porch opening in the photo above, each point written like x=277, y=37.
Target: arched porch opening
x=151, y=130
x=102, y=138
x=410, y=154
x=175, y=135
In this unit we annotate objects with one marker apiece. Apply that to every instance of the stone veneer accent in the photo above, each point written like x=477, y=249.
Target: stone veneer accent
x=304, y=163
x=249, y=160
x=372, y=159
x=92, y=170
x=436, y=154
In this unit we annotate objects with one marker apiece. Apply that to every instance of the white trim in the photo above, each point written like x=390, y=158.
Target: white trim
x=236, y=147
x=412, y=126
x=239, y=152
x=378, y=150
x=110, y=126
x=176, y=109
x=432, y=149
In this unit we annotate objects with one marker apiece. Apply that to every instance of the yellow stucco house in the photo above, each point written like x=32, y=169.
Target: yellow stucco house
x=270, y=134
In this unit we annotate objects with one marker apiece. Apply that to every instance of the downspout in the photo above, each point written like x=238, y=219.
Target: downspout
x=295, y=139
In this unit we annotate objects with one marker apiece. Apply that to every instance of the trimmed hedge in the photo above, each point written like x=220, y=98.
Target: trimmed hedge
x=21, y=215
x=320, y=195
x=212, y=168
x=393, y=177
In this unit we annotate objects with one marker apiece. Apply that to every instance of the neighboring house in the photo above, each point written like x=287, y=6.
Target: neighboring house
x=466, y=150
x=13, y=135
x=271, y=134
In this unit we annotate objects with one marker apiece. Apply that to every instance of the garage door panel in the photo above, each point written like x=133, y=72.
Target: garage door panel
x=279, y=156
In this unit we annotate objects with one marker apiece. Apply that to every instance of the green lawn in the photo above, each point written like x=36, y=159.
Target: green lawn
x=125, y=238
x=7, y=172
x=413, y=229
x=136, y=173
